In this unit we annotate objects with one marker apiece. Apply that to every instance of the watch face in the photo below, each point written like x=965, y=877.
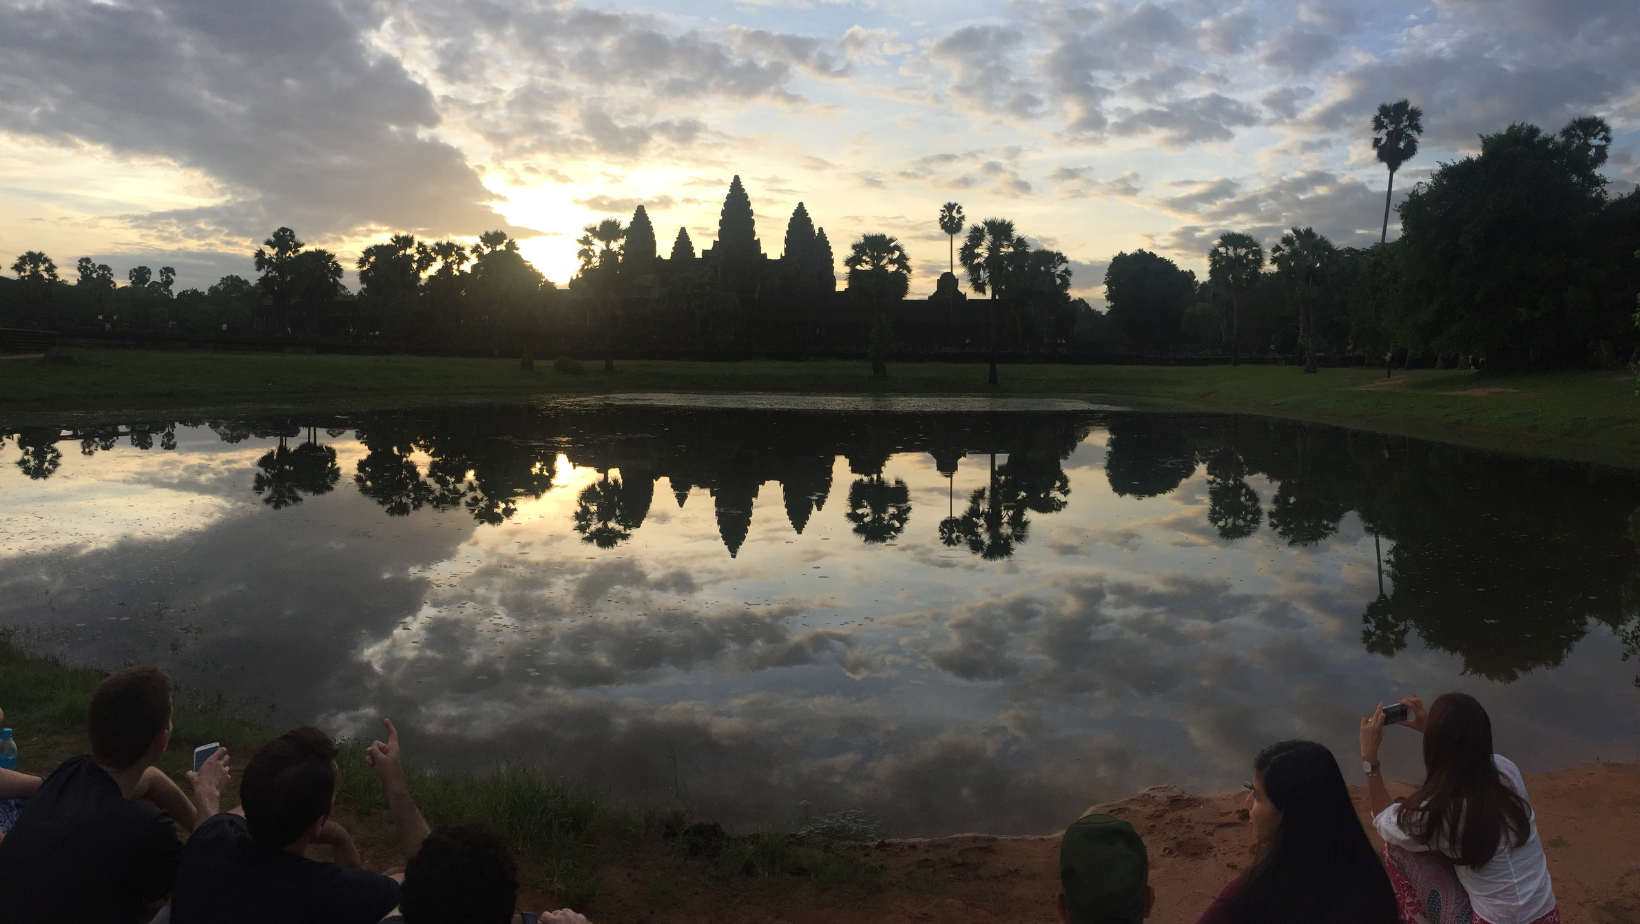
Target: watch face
x=1366, y=766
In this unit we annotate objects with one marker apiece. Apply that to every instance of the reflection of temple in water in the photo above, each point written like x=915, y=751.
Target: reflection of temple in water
x=1505, y=561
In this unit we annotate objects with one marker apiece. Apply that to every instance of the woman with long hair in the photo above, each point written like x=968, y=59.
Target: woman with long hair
x=1468, y=835
x=1315, y=862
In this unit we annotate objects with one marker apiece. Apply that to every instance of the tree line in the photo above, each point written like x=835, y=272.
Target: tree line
x=1511, y=257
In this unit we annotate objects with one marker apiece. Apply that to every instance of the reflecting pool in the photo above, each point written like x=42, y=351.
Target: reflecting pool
x=982, y=619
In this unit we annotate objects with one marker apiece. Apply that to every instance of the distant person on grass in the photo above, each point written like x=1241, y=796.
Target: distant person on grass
x=251, y=865
x=1104, y=873
x=1464, y=845
x=1315, y=862
x=96, y=840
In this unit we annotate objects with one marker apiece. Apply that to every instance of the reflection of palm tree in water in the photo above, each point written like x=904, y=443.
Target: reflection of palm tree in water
x=878, y=510
x=286, y=474
x=607, y=511
x=990, y=528
x=41, y=457
x=1232, y=506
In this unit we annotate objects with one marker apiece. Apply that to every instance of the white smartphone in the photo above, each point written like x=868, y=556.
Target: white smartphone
x=204, y=752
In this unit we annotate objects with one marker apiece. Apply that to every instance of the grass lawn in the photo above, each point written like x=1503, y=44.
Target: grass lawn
x=1587, y=415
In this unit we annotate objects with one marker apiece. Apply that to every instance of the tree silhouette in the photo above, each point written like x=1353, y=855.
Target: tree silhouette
x=40, y=457
x=1395, y=130
x=985, y=256
x=1148, y=296
x=1147, y=455
x=286, y=474
x=1304, y=257
x=988, y=527
x=878, y=510
x=388, y=476
x=37, y=272
x=390, y=276
x=878, y=268
x=1233, y=266
x=1232, y=505
x=951, y=220
x=607, y=512
x=598, y=268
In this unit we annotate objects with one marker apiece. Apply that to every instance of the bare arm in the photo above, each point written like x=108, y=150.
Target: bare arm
x=158, y=788
x=344, y=852
x=1372, y=734
x=390, y=775
x=14, y=785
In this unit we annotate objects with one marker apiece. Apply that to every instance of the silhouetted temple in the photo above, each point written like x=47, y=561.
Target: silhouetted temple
x=733, y=296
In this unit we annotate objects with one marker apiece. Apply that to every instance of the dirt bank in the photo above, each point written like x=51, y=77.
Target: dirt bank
x=1588, y=817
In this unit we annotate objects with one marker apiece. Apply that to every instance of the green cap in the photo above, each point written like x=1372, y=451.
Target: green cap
x=1103, y=870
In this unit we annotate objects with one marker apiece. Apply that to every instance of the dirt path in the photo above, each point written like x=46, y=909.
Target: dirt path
x=1588, y=817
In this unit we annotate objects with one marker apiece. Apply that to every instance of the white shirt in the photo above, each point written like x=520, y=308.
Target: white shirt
x=1513, y=887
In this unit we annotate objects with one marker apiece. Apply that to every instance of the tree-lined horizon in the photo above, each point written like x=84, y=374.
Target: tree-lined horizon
x=1513, y=255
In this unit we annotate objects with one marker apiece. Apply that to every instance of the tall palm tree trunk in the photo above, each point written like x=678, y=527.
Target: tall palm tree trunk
x=609, y=337
x=1388, y=190
x=992, y=379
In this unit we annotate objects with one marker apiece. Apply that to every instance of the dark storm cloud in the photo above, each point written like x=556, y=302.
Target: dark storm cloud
x=282, y=104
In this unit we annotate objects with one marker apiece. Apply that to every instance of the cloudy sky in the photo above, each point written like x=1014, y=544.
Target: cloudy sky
x=184, y=131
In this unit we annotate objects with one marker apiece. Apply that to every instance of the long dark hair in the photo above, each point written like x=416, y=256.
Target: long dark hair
x=1462, y=784
x=1320, y=865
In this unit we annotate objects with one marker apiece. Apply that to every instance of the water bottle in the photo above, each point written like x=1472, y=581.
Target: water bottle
x=8, y=750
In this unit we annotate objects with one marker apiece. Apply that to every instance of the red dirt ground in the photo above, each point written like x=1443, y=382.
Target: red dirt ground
x=1588, y=818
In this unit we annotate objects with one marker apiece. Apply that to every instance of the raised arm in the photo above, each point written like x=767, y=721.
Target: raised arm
x=1372, y=735
x=390, y=775
x=208, y=784
x=156, y=787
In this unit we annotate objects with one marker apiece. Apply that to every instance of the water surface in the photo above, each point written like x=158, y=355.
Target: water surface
x=975, y=620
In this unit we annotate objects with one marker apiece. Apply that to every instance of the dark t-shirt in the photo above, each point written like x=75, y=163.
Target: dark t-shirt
x=227, y=876
x=81, y=852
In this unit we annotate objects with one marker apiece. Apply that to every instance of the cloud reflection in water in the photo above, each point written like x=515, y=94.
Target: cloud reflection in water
x=820, y=607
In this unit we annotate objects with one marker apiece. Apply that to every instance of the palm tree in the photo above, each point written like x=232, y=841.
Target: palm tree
x=985, y=256
x=37, y=271
x=878, y=267
x=951, y=220
x=1303, y=256
x=602, y=263
x=1395, y=131
x=1233, y=265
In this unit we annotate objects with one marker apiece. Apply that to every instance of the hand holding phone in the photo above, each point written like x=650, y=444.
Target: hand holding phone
x=204, y=752
x=1396, y=714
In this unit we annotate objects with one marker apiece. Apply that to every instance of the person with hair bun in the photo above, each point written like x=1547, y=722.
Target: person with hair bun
x=1466, y=840
x=1315, y=862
